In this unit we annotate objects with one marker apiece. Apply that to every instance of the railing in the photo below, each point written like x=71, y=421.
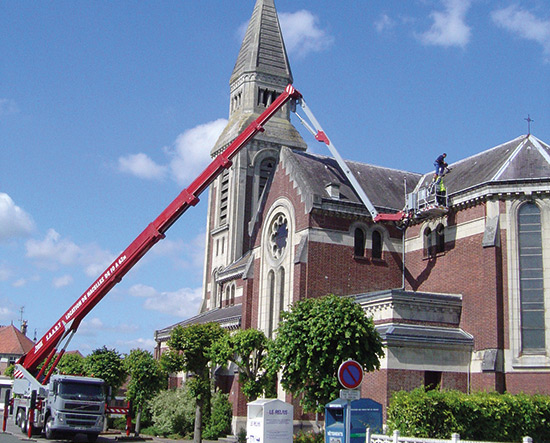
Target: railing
x=396, y=438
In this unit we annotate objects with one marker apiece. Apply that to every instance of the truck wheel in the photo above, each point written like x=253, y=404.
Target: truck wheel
x=18, y=417
x=92, y=437
x=48, y=431
x=23, y=423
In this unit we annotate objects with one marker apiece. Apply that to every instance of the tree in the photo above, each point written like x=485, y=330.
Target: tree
x=108, y=365
x=173, y=411
x=71, y=364
x=191, y=352
x=9, y=371
x=146, y=379
x=247, y=349
x=314, y=338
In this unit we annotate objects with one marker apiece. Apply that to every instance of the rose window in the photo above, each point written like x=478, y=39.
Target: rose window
x=278, y=236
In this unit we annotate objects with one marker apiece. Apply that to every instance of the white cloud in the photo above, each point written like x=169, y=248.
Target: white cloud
x=62, y=281
x=53, y=251
x=95, y=260
x=146, y=344
x=302, y=34
x=5, y=272
x=8, y=107
x=6, y=314
x=90, y=327
x=191, y=150
x=19, y=283
x=142, y=166
x=14, y=222
x=182, y=303
x=525, y=25
x=184, y=253
x=449, y=27
x=384, y=23
x=141, y=290
x=188, y=156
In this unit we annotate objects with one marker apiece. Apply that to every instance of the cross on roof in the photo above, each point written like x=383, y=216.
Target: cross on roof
x=528, y=120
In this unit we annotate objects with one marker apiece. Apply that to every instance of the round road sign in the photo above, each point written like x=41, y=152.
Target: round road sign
x=350, y=374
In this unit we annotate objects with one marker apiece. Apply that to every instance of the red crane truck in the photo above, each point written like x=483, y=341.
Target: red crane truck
x=72, y=405
x=69, y=404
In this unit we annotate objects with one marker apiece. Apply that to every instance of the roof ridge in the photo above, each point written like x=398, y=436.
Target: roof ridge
x=486, y=151
x=358, y=162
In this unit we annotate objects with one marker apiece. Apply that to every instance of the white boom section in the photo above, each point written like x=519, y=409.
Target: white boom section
x=321, y=136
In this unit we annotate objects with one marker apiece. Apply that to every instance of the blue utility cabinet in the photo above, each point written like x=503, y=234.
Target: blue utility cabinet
x=365, y=413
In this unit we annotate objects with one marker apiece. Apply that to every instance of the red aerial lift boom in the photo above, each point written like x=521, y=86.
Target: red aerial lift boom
x=47, y=347
x=63, y=330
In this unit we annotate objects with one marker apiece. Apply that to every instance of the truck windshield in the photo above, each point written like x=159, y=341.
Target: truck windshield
x=81, y=391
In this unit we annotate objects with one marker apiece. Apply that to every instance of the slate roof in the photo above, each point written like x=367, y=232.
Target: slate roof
x=383, y=186
x=229, y=316
x=13, y=341
x=424, y=335
x=263, y=48
x=526, y=158
x=235, y=268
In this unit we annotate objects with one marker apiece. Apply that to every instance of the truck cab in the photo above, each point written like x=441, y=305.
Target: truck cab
x=67, y=405
x=74, y=405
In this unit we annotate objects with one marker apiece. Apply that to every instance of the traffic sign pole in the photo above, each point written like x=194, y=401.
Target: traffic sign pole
x=350, y=376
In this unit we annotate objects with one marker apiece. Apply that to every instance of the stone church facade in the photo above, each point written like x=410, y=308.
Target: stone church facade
x=460, y=294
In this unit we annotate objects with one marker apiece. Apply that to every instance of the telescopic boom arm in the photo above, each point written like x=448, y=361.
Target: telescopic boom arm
x=67, y=325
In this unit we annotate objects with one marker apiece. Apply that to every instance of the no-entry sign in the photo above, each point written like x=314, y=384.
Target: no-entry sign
x=350, y=374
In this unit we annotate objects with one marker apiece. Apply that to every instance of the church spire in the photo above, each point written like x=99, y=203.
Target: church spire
x=263, y=49
x=261, y=73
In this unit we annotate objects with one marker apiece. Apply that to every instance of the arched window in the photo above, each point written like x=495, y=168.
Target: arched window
x=270, y=302
x=215, y=293
x=531, y=283
x=266, y=168
x=376, y=244
x=281, y=290
x=232, y=298
x=428, y=246
x=359, y=242
x=224, y=198
x=227, y=294
x=440, y=239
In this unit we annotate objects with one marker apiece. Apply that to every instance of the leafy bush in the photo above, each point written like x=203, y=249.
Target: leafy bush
x=220, y=420
x=309, y=437
x=479, y=416
x=241, y=436
x=173, y=412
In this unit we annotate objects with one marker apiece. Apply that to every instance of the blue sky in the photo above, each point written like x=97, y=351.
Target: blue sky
x=109, y=108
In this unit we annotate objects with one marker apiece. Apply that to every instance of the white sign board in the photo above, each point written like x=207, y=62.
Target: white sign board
x=350, y=394
x=269, y=421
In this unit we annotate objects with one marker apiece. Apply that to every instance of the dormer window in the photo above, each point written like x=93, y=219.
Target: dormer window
x=333, y=190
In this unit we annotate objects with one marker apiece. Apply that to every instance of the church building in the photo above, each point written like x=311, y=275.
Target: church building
x=459, y=290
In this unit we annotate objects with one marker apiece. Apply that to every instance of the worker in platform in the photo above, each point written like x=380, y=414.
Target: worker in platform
x=441, y=193
x=440, y=164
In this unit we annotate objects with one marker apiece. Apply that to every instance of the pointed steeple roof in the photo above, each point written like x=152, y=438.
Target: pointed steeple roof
x=262, y=71
x=263, y=48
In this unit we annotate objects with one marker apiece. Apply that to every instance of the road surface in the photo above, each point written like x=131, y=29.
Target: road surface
x=14, y=435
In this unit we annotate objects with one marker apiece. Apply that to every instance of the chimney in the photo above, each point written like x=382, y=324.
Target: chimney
x=24, y=327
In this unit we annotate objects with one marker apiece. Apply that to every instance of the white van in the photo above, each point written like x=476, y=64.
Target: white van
x=6, y=385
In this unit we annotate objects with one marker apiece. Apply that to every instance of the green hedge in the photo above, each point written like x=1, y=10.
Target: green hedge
x=479, y=416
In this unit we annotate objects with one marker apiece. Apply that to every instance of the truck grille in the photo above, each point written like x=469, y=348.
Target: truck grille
x=81, y=421
x=81, y=407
